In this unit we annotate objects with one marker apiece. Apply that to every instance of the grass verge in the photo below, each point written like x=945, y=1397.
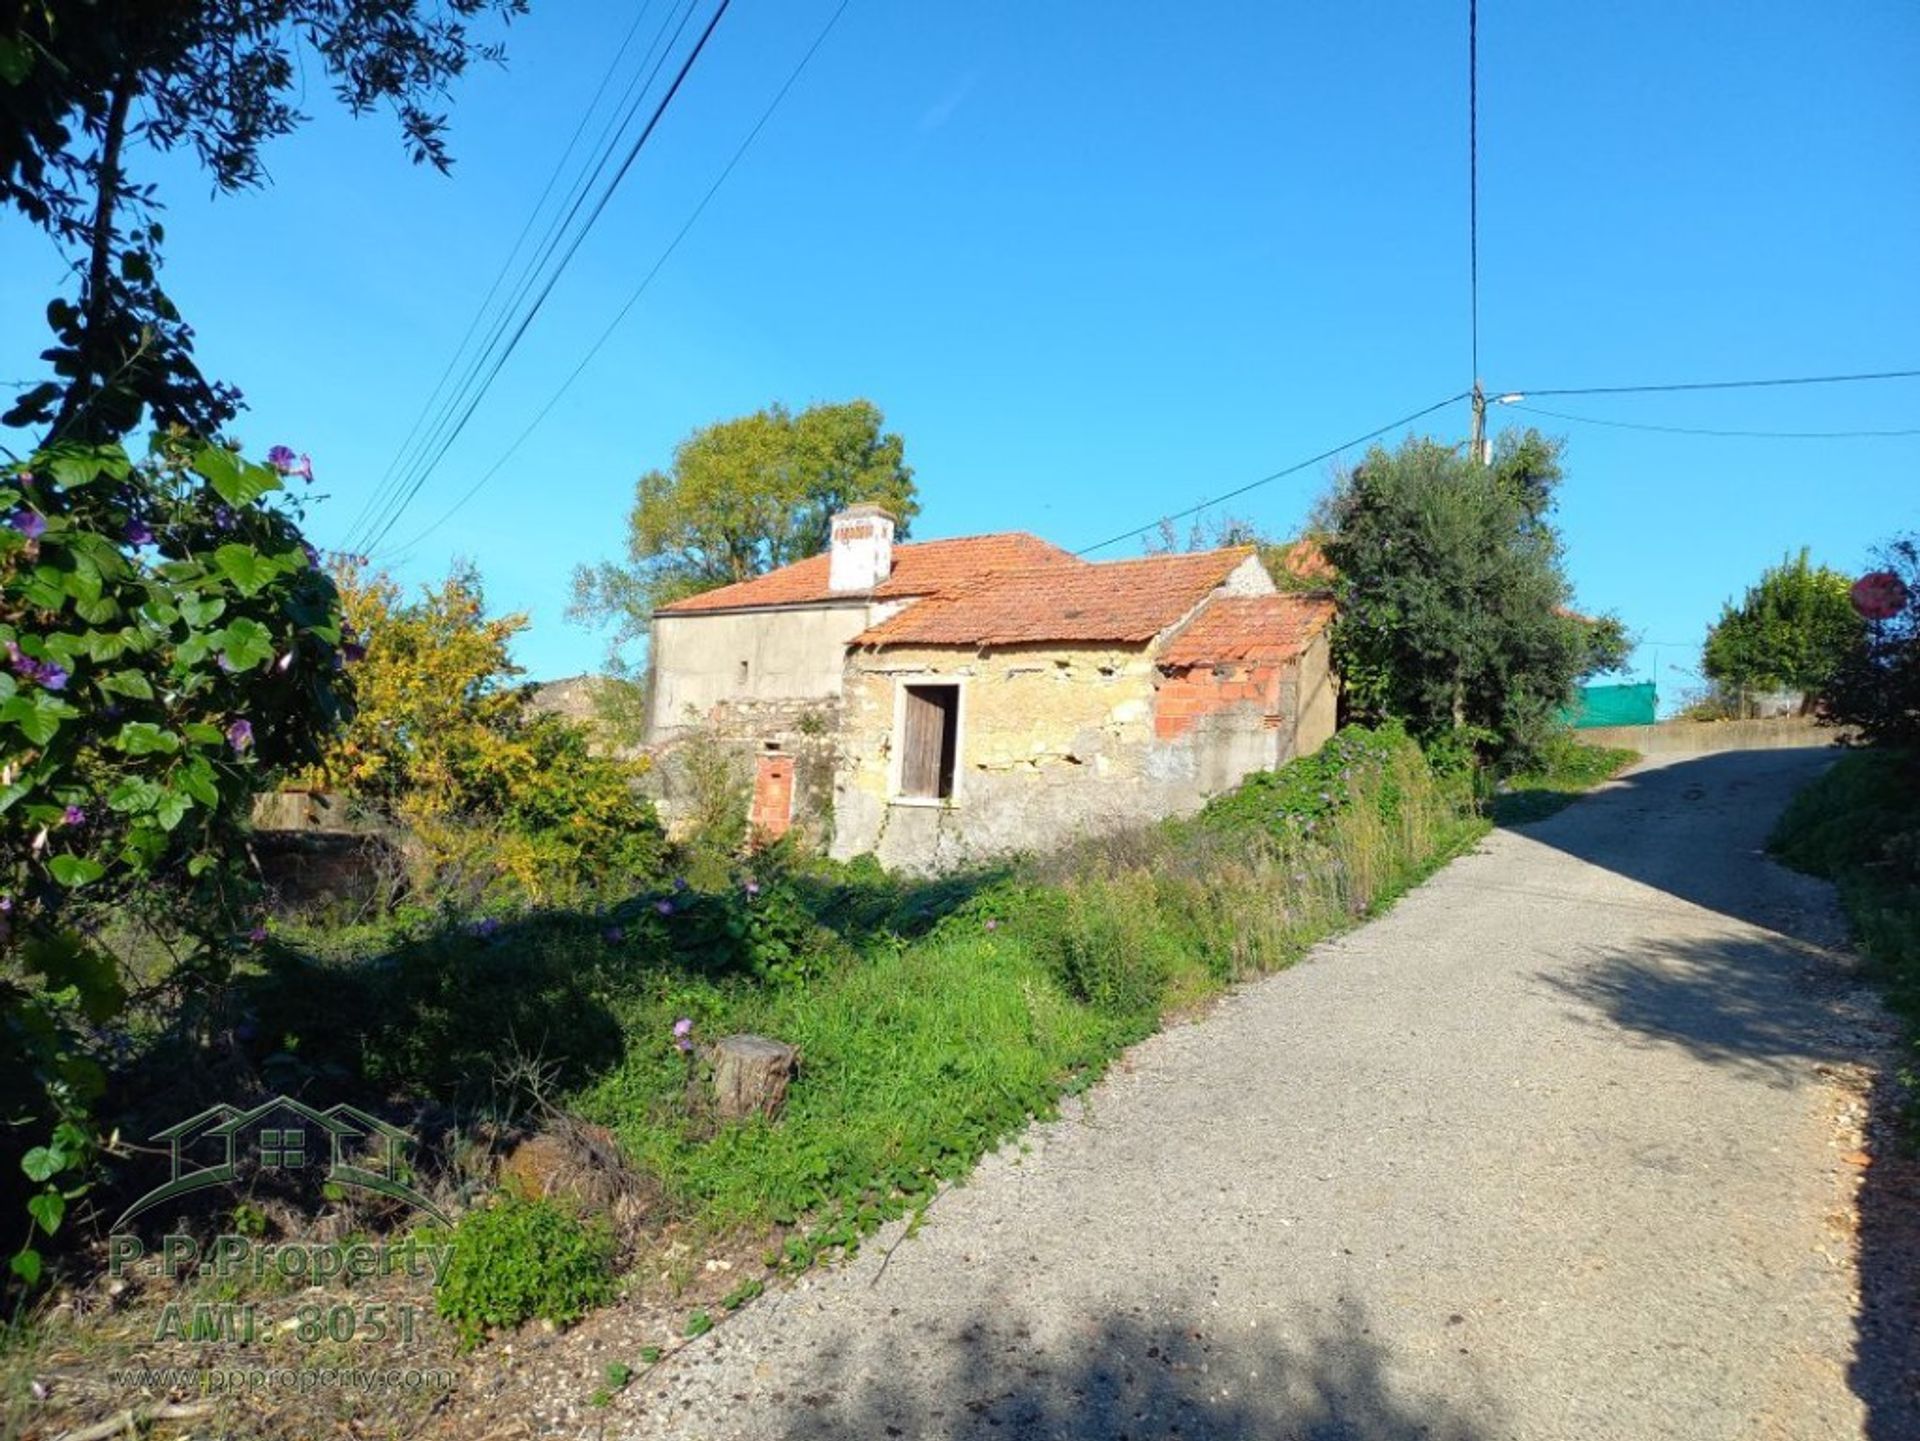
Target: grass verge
x=1858, y=826
x=1567, y=771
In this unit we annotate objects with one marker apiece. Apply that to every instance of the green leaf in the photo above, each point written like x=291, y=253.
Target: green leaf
x=246, y=643
x=128, y=683
x=236, y=481
x=49, y=1208
x=202, y=613
x=172, y=809
x=249, y=570
x=74, y=871
x=37, y=717
x=16, y=62
x=134, y=796
x=42, y=1163
x=143, y=738
x=196, y=779
x=26, y=1265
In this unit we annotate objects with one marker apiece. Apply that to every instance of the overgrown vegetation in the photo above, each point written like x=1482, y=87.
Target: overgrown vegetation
x=1564, y=771
x=1454, y=603
x=520, y=1260
x=1858, y=825
x=1791, y=631
x=501, y=803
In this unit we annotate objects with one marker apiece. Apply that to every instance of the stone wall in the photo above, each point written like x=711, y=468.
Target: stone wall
x=805, y=732
x=1056, y=742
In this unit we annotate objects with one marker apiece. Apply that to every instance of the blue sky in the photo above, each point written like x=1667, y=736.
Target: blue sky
x=1099, y=262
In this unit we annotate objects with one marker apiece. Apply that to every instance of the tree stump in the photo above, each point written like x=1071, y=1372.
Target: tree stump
x=750, y=1076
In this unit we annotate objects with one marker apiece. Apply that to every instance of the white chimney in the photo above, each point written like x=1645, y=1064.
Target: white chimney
x=861, y=555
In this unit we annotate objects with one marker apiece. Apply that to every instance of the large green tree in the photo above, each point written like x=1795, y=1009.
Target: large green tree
x=1453, y=604
x=1791, y=631
x=743, y=497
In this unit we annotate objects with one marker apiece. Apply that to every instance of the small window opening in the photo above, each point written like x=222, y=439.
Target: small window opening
x=743, y=672
x=929, y=741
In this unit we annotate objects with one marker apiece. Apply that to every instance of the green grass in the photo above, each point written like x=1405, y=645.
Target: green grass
x=933, y=1019
x=1567, y=771
x=1858, y=825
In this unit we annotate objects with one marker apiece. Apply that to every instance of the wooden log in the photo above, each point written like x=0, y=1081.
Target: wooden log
x=750, y=1076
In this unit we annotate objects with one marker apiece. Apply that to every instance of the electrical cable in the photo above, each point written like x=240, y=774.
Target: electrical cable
x=1293, y=469
x=633, y=299
x=1698, y=430
x=425, y=471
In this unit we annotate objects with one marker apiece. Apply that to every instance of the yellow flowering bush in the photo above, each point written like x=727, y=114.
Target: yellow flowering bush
x=500, y=797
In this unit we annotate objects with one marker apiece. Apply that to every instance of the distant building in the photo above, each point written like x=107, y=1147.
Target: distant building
x=939, y=702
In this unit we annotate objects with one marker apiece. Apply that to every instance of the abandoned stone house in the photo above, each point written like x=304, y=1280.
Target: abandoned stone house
x=947, y=700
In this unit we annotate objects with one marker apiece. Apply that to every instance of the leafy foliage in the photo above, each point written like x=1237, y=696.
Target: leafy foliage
x=1453, y=603
x=1876, y=685
x=743, y=497
x=1793, y=630
x=169, y=641
x=83, y=83
x=448, y=744
x=521, y=1260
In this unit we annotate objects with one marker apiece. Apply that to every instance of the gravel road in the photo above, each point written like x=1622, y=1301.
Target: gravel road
x=1544, y=1152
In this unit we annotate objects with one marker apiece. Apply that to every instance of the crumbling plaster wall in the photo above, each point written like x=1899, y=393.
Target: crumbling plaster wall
x=705, y=659
x=1054, y=742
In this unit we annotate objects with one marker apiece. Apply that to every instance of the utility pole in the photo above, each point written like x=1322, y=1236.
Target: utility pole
x=1480, y=456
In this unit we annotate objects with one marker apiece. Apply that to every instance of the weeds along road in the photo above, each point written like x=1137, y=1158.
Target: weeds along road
x=1544, y=1152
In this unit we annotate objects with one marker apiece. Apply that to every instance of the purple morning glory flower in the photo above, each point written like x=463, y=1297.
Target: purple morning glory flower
x=613, y=935
x=683, y=1034
x=29, y=523
x=679, y=883
x=281, y=458
x=137, y=532
x=240, y=734
x=73, y=816
x=223, y=518
x=352, y=652
x=257, y=935
x=304, y=469
x=51, y=676
x=664, y=907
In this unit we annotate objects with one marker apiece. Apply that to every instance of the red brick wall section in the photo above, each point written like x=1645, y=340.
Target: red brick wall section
x=1188, y=694
x=772, y=796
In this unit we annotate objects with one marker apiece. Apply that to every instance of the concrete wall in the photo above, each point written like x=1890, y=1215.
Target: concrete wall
x=1687, y=737
x=704, y=659
x=1055, y=742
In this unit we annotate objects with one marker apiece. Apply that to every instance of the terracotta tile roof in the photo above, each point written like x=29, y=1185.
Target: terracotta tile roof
x=1249, y=628
x=1305, y=560
x=1116, y=600
x=922, y=568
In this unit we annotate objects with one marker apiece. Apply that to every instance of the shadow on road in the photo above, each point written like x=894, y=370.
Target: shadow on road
x=1697, y=830
x=1137, y=1377
x=1766, y=1003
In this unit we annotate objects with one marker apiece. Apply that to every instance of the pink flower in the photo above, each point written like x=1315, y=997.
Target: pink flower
x=683, y=1034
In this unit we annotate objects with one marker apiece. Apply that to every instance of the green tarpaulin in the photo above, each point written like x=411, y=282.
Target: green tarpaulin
x=1613, y=705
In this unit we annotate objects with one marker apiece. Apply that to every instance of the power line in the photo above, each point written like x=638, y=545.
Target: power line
x=406, y=450
x=425, y=471
x=1473, y=175
x=639, y=290
x=1721, y=384
x=1695, y=430
x=499, y=344
x=1293, y=469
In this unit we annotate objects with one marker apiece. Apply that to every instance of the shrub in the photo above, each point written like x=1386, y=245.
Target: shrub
x=508, y=804
x=168, y=639
x=1877, y=687
x=521, y=1260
